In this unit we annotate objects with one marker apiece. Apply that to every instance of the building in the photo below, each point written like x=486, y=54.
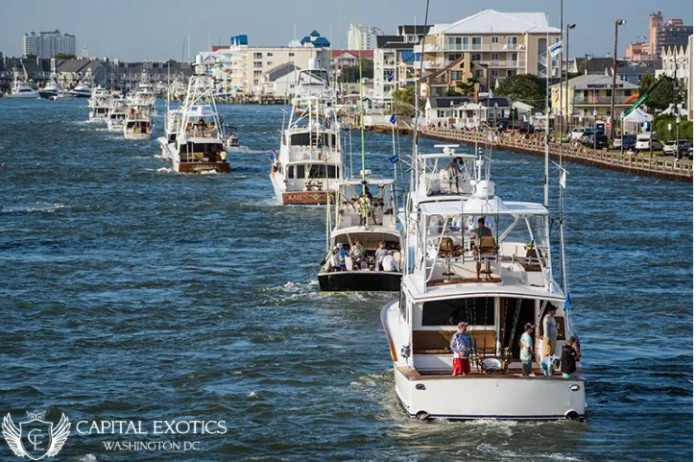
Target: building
x=589, y=93
x=46, y=45
x=362, y=37
x=638, y=51
x=505, y=43
x=664, y=35
x=633, y=72
x=239, y=68
x=394, y=61
x=677, y=63
x=444, y=81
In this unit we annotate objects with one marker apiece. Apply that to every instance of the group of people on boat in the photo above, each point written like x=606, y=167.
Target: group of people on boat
x=367, y=206
x=462, y=347
x=357, y=258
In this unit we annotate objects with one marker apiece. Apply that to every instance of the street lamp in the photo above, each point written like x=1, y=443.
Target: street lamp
x=567, y=97
x=619, y=22
x=676, y=146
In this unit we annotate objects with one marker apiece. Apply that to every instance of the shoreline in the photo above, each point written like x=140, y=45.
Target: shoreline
x=612, y=160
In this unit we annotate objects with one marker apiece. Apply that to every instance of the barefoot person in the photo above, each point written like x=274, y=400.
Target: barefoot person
x=461, y=346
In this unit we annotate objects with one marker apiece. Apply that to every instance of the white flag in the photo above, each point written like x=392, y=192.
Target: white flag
x=556, y=49
x=563, y=179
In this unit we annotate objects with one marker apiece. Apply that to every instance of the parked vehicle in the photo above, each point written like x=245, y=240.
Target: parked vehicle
x=629, y=142
x=589, y=141
x=578, y=132
x=643, y=142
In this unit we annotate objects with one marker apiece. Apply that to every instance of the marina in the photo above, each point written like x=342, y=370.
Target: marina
x=306, y=252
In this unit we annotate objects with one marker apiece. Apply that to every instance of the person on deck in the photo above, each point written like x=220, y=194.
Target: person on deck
x=389, y=262
x=569, y=357
x=526, y=350
x=550, y=333
x=461, y=347
x=550, y=364
x=477, y=234
x=342, y=254
x=380, y=253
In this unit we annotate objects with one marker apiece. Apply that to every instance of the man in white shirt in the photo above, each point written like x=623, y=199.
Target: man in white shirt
x=388, y=262
x=380, y=253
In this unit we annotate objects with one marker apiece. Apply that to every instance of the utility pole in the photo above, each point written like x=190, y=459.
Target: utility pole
x=617, y=23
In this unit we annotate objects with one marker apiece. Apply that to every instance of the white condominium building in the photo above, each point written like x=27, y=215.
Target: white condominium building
x=361, y=37
x=46, y=45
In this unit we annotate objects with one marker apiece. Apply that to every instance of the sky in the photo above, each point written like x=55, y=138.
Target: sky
x=156, y=30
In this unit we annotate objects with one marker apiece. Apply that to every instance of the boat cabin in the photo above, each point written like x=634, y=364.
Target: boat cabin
x=445, y=176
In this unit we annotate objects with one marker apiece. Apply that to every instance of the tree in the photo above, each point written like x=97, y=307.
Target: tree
x=468, y=87
x=351, y=74
x=65, y=56
x=668, y=92
x=404, y=101
x=30, y=56
x=527, y=88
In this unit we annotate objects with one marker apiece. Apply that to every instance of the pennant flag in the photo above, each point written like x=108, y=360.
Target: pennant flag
x=392, y=119
x=556, y=49
x=566, y=305
x=563, y=179
x=394, y=159
x=390, y=77
x=490, y=94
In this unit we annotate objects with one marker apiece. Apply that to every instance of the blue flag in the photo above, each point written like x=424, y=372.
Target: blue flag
x=566, y=305
x=394, y=159
x=390, y=77
x=392, y=119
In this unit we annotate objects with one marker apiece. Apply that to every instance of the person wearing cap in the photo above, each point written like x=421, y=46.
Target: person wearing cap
x=461, y=347
x=550, y=333
x=342, y=254
x=569, y=357
x=380, y=253
x=526, y=350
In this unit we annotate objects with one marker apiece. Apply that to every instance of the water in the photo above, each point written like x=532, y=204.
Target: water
x=131, y=292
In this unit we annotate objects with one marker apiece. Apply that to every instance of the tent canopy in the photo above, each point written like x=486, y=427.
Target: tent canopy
x=638, y=116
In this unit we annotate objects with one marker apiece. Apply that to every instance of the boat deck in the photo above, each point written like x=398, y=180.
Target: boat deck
x=513, y=373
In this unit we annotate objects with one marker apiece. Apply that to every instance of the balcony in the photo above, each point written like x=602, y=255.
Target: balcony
x=580, y=100
x=470, y=47
x=503, y=64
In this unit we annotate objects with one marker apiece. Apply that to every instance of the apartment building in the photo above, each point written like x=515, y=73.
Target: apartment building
x=239, y=68
x=394, y=62
x=590, y=93
x=667, y=34
x=505, y=43
x=46, y=45
x=361, y=37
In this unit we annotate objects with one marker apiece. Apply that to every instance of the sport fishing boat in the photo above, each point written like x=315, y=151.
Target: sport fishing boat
x=310, y=162
x=20, y=88
x=365, y=212
x=138, y=125
x=52, y=87
x=198, y=145
x=143, y=100
x=172, y=123
x=83, y=89
x=116, y=118
x=99, y=104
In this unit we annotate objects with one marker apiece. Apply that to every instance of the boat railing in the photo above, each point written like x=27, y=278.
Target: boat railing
x=313, y=154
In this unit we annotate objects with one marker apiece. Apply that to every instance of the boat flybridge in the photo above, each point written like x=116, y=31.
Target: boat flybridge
x=20, y=88
x=496, y=284
x=52, y=87
x=116, y=117
x=143, y=100
x=99, y=104
x=198, y=145
x=310, y=162
x=365, y=212
x=138, y=125
x=83, y=89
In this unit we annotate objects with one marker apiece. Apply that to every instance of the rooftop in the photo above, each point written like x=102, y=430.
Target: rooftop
x=496, y=22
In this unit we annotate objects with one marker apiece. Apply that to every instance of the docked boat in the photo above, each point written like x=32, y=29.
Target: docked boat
x=310, y=161
x=99, y=104
x=116, y=117
x=366, y=231
x=138, y=125
x=83, y=89
x=496, y=281
x=198, y=145
x=21, y=89
x=52, y=88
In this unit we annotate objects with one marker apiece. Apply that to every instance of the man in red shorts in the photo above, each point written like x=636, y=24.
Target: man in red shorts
x=461, y=347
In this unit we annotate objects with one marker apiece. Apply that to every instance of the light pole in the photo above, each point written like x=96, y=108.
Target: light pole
x=594, y=126
x=617, y=23
x=676, y=146
x=566, y=116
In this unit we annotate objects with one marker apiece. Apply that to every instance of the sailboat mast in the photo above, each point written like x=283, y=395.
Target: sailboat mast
x=546, y=137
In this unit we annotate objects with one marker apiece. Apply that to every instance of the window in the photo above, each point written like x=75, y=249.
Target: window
x=456, y=75
x=458, y=43
x=256, y=81
x=478, y=73
x=494, y=73
x=291, y=172
x=512, y=59
x=269, y=63
x=269, y=54
x=300, y=171
x=511, y=42
x=495, y=56
x=291, y=54
x=257, y=73
x=258, y=64
x=453, y=56
x=476, y=43
x=440, y=114
x=258, y=55
x=474, y=311
x=511, y=72
x=476, y=57
x=494, y=39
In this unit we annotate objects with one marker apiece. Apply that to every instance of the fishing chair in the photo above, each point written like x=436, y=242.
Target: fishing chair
x=447, y=252
x=486, y=251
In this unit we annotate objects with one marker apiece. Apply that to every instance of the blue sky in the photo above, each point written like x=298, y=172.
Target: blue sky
x=156, y=29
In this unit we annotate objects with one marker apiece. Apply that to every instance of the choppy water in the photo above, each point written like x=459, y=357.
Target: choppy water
x=130, y=292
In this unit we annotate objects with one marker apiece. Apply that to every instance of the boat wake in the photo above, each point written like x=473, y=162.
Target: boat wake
x=160, y=170
x=39, y=207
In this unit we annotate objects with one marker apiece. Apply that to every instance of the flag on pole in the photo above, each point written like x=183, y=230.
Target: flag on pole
x=392, y=119
x=566, y=305
x=390, y=77
x=394, y=159
x=563, y=179
x=556, y=49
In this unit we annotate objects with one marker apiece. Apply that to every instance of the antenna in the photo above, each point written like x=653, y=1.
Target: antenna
x=189, y=47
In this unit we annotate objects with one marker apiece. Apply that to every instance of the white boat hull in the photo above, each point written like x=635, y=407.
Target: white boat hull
x=28, y=95
x=136, y=136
